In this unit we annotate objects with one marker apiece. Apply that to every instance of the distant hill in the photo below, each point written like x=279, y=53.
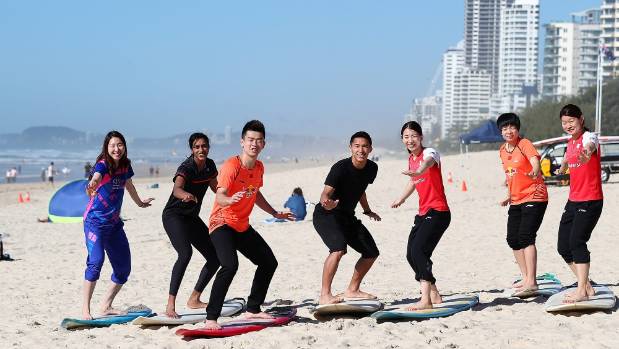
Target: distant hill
x=541, y=121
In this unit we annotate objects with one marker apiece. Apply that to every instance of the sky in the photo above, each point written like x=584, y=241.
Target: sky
x=159, y=68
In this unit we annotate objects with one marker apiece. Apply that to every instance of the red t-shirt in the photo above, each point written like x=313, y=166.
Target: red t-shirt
x=585, y=179
x=234, y=178
x=517, y=166
x=429, y=185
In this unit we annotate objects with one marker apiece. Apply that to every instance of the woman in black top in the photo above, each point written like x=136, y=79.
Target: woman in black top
x=182, y=222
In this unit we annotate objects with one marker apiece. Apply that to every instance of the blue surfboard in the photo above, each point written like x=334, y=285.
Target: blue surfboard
x=104, y=321
x=451, y=305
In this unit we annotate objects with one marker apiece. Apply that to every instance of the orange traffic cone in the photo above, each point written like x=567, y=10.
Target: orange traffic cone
x=449, y=178
x=27, y=197
x=464, y=186
x=20, y=199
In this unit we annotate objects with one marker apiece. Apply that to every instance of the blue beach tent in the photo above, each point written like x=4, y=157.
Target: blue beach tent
x=488, y=132
x=68, y=204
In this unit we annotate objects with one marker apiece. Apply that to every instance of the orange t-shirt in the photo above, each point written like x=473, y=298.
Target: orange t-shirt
x=517, y=165
x=234, y=178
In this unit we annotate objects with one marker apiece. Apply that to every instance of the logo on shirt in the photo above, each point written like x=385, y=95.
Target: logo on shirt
x=249, y=191
x=510, y=171
x=116, y=183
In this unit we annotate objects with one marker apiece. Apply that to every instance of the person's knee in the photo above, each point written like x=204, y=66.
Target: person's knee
x=513, y=242
x=184, y=258
x=229, y=268
x=337, y=254
x=527, y=240
x=270, y=264
x=121, y=275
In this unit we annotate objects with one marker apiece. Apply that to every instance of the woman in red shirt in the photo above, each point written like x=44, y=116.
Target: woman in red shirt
x=424, y=169
x=527, y=198
x=584, y=205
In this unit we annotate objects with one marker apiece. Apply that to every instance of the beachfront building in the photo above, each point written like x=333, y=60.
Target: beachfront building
x=570, y=55
x=453, y=63
x=518, y=55
x=481, y=35
x=472, y=92
x=427, y=112
x=610, y=35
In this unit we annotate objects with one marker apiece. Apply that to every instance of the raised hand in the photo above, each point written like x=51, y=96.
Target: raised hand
x=146, y=202
x=329, y=204
x=284, y=215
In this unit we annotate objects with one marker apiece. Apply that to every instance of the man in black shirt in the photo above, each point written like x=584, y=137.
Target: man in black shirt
x=336, y=223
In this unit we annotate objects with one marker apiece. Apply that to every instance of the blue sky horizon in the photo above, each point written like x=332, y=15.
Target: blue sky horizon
x=158, y=68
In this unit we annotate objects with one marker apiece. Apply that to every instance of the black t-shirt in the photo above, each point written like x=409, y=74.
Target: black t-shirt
x=350, y=183
x=196, y=183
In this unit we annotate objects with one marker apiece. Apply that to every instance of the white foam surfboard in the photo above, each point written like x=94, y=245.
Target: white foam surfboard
x=231, y=307
x=349, y=306
x=546, y=287
x=603, y=299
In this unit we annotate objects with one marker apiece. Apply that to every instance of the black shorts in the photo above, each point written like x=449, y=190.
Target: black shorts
x=523, y=223
x=339, y=230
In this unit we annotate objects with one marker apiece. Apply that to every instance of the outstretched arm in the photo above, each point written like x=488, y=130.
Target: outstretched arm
x=410, y=189
x=423, y=167
x=325, y=198
x=266, y=207
x=223, y=200
x=366, y=208
x=179, y=191
x=134, y=195
x=91, y=188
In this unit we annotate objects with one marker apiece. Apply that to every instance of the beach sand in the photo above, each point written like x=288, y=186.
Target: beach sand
x=44, y=284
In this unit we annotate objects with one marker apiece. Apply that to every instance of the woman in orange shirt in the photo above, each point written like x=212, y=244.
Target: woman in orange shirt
x=527, y=198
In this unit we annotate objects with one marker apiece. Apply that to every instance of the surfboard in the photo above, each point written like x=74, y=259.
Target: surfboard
x=231, y=307
x=241, y=326
x=108, y=320
x=348, y=306
x=603, y=299
x=451, y=305
x=548, y=284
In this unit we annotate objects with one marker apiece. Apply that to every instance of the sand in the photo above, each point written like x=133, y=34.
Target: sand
x=44, y=284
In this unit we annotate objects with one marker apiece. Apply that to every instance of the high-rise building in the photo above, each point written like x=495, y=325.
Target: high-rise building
x=427, y=112
x=610, y=35
x=453, y=63
x=471, y=100
x=518, y=55
x=481, y=35
x=570, y=55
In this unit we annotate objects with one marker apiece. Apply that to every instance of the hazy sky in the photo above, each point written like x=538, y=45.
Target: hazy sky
x=164, y=67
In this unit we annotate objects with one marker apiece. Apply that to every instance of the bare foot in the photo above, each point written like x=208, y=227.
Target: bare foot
x=260, y=315
x=86, y=315
x=435, y=297
x=211, y=325
x=112, y=311
x=590, y=290
x=329, y=299
x=357, y=294
x=419, y=306
x=575, y=297
x=196, y=304
x=171, y=313
x=518, y=284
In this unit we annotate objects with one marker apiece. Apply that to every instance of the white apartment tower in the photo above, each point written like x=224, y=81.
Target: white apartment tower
x=453, y=63
x=518, y=55
x=610, y=35
x=481, y=35
x=471, y=99
x=570, y=55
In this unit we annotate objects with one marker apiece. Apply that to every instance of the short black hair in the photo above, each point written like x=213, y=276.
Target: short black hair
x=198, y=135
x=413, y=125
x=361, y=134
x=571, y=110
x=507, y=119
x=297, y=191
x=254, y=125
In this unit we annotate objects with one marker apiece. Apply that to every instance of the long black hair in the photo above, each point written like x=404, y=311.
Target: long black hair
x=124, y=161
x=573, y=111
x=411, y=125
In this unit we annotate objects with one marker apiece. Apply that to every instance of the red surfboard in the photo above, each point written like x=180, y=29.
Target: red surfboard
x=240, y=326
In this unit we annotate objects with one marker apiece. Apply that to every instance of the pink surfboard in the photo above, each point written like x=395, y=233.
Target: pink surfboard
x=240, y=326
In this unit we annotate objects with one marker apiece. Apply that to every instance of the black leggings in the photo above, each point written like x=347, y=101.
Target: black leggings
x=183, y=232
x=424, y=236
x=577, y=223
x=251, y=245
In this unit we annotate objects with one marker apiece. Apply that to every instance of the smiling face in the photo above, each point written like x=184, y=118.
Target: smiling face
x=199, y=149
x=116, y=148
x=573, y=126
x=412, y=141
x=510, y=133
x=360, y=148
x=252, y=143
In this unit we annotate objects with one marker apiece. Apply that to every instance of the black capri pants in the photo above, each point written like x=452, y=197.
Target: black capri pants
x=425, y=235
x=523, y=223
x=577, y=223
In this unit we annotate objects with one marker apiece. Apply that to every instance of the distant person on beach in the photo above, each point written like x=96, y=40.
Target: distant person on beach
x=526, y=197
x=87, y=169
x=157, y=171
x=151, y=171
x=238, y=190
x=182, y=222
x=14, y=175
x=7, y=176
x=585, y=201
x=296, y=204
x=43, y=174
x=335, y=221
x=103, y=227
x=50, y=173
x=434, y=217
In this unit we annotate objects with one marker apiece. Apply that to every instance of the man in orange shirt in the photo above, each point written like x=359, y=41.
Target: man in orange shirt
x=238, y=189
x=527, y=197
